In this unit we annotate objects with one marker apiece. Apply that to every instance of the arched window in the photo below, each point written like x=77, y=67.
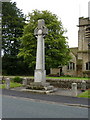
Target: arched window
x=71, y=66
x=88, y=66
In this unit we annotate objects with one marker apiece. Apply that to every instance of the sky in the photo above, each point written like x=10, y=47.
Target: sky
x=68, y=11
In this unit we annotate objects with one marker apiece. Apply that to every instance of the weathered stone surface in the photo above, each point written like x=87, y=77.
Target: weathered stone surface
x=41, y=26
x=25, y=81
x=40, y=72
x=0, y=79
x=7, y=83
x=83, y=88
x=74, y=89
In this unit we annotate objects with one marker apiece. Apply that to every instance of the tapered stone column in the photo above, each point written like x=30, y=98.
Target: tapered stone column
x=40, y=72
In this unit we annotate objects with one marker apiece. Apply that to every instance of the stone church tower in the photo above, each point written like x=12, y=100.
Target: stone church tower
x=83, y=54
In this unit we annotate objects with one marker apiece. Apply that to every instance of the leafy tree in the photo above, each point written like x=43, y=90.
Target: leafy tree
x=57, y=51
x=13, y=22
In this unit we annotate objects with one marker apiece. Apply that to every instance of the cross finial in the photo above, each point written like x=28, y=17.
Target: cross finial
x=41, y=23
x=41, y=26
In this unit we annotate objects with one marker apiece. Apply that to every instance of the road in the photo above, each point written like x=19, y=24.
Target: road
x=20, y=107
x=53, y=98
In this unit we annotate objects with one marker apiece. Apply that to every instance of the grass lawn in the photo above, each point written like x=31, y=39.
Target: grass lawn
x=77, y=78
x=85, y=94
x=12, y=85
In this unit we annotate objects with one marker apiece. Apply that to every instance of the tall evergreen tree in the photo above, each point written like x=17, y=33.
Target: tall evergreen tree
x=13, y=22
x=12, y=28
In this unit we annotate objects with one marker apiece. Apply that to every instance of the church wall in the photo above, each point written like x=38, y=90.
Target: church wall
x=85, y=60
x=70, y=72
x=54, y=71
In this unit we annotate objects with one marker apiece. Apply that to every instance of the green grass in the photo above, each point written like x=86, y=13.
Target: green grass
x=77, y=78
x=12, y=85
x=85, y=94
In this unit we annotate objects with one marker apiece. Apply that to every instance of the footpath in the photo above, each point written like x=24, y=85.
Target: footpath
x=62, y=96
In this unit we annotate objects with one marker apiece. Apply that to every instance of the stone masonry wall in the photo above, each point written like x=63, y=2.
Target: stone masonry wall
x=64, y=83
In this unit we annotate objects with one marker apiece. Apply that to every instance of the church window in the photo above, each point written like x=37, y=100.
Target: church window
x=71, y=66
x=88, y=66
x=87, y=32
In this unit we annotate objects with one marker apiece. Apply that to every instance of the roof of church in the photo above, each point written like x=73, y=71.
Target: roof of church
x=74, y=50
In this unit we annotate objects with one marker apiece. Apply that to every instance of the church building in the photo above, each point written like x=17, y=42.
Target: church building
x=79, y=65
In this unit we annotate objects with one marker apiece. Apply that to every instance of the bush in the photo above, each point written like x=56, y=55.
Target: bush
x=17, y=79
x=53, y=75
x=68, y=76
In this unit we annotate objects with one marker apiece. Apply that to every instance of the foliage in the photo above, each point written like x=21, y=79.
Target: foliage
x=53, y=75
x=14, y=66
x=57, y=51
x=13, y=22
x=32, y=87
x=17, y=79
x=12, y=85
x=12, y=27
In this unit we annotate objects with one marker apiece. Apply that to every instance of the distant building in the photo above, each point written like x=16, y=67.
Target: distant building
x=80, y=63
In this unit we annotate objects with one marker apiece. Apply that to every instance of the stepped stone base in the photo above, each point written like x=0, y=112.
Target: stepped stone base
x=39, y=87
x=40, y=91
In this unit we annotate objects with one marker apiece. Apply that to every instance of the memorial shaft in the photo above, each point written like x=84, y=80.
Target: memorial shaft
x=40, y=72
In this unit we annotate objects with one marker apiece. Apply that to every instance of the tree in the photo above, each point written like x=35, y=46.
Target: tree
x=56, y=47
x=13, y=22
x=12, y=28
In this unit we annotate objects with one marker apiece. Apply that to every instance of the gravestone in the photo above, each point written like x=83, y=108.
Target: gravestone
x=40, y=72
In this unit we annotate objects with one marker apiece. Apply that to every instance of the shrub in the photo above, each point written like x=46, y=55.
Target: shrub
x=53, y=75
x=17, y=79
x=68, y=76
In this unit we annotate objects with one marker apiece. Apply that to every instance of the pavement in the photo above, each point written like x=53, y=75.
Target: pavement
x=62, y=96
x=58, y=91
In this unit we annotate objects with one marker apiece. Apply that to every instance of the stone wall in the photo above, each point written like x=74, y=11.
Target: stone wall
x=61, y=83
x=64, y=83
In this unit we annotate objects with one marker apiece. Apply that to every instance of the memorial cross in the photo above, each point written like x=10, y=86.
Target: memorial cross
x=40, y=72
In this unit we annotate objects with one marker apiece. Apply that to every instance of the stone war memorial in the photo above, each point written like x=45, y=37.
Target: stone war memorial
x=40, y=72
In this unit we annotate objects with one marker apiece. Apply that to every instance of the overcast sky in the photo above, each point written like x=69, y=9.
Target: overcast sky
x=67, y=10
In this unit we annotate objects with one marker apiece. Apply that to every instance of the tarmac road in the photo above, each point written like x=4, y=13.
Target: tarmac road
x=20, y=107
x=53, y=98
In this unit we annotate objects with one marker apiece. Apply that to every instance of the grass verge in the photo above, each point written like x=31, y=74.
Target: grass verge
x=12, y=85
x=77, y=78
x=85, y=94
